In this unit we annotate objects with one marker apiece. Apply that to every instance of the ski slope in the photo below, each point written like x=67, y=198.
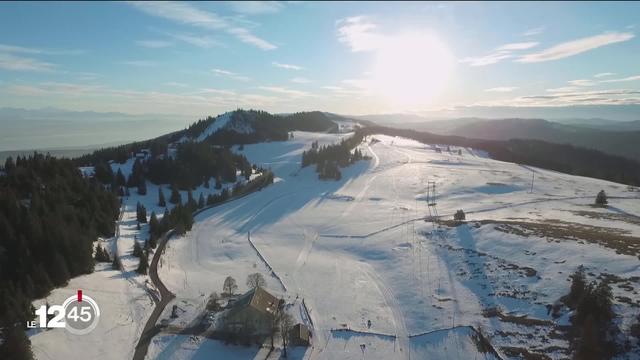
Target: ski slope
x=358, y=249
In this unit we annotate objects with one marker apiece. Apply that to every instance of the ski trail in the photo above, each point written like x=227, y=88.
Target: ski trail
x=402, y=334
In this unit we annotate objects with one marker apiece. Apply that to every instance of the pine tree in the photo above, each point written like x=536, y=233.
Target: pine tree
x=201, y=201
x=161, y=201
x=137, y=250
x=143, y=265
x=142, y=187
x=120, y=180
x=218, y=183
x=175, y=196
x=601, y=199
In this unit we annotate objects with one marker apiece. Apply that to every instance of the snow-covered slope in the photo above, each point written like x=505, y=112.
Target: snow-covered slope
x=360, y=250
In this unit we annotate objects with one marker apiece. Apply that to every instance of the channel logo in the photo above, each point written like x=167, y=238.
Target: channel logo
x=78, y=314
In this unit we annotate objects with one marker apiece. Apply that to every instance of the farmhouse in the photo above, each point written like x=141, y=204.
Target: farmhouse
x=252, y=313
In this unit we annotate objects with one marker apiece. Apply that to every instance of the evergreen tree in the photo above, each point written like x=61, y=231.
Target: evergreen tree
x=201, y=201
x=175, y=196
x=218, y=183
x=143, y=265
x=601, y=199
x=141, y=213
x=137, y=250
x=161, y=201
x=142, y=187
x=120, y=180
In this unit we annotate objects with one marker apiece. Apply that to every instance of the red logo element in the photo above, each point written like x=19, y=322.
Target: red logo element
x=79, y=295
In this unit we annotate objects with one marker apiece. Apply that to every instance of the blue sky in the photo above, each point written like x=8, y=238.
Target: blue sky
x=353, y=58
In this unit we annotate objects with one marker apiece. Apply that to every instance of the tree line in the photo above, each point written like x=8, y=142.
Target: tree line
x=559, y=157
x=50, y=215
x=330, y=158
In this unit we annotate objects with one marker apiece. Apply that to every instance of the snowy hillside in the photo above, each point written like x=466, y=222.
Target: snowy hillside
x=359, y=249
x=359, y=262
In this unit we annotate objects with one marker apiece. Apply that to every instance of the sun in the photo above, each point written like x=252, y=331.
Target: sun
x=411, y=69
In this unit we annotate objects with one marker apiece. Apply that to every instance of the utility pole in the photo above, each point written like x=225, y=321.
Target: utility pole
x=533, y=176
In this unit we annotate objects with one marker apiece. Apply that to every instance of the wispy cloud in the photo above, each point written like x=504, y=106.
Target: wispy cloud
x=630, y=78
x=140, y=63
x=582, y=82
x=201, y=41
x=358, y=33
x=230, y=74
x=575, y=47
x=518, y=46
x=28, y=50
x=571, y=97
x=256, y=7
x=285, y=91
x=604, y=74
x=500, y=53
x=300, y=80
x=534, y=31
x=492, y=58
x=188, y=14
x=501, y=89
x=20, y=63
x=217, y=91
x=286, y=66
x=154, y=44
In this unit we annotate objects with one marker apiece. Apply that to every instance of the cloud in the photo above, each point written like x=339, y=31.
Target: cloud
x=217, y=91
x=487, y=59
x=140, y=63
x=27, y=50
x=284, y=91
x=575, y=47
x=604, y=74
x=630, y=78
x=154, y=44
x=230, y=74
x=501, y=89
x=500, y=53
x=20, y=63
x=572, y=97
x=533, y=31
x=300, y=80
x=357, y=33
x=582, y=82
x=187, y=14
x=286, y=66
x=518, y=46
x=204, y=42
x=256, y=7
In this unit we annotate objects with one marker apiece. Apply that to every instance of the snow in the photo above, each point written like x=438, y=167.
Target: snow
x=218, y=123
x=124, y=309
x=354, y=251
x=359, y=249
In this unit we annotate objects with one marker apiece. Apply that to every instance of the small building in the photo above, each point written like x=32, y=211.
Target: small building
x=300, y=335
x=252, y=313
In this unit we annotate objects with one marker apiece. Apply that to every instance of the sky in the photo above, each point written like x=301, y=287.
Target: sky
x=351, y=58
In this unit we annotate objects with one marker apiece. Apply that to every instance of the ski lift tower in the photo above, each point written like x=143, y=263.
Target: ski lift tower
x=431, y=202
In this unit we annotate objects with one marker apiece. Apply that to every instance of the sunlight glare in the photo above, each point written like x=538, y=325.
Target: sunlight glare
x=411, y=69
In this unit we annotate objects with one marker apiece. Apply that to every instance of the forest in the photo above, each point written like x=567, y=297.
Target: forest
x=330, y=158
x=50, y=215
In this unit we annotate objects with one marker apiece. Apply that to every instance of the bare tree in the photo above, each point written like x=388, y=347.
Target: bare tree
x=229, y=286
x=212, y=304
x=256, y=280
x=286, y=323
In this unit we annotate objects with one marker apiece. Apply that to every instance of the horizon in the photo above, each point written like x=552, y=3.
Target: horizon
x=436, y=60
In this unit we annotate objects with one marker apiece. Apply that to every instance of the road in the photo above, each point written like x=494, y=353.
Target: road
x=150, y=328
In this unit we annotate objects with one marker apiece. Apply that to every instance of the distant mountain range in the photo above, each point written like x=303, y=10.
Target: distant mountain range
x=613, y=137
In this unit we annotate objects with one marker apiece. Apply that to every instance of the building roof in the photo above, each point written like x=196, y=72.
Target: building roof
x=258, y=299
